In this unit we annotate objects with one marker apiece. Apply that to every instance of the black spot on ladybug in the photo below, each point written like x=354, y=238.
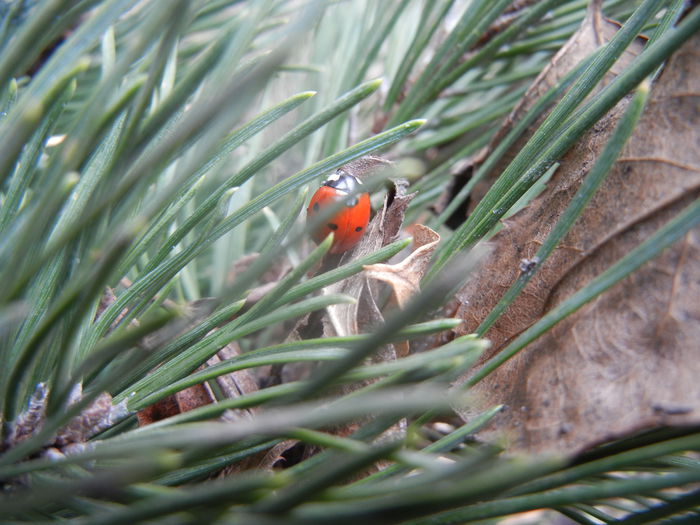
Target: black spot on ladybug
x=316, y=206
x=332, y=226
x=358, y=229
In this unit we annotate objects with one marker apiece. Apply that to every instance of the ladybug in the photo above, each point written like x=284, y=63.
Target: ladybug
x=350, y=222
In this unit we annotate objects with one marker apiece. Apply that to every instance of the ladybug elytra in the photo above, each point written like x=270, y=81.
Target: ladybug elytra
x=350, y=222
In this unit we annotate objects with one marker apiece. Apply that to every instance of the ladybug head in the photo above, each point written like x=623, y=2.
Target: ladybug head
x=342, y=181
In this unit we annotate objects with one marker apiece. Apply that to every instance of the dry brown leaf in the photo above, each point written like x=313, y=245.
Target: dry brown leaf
x=272, y=275
x=594, y=31
x=404, y=277
x=366, y=166
x=188, y=399
x=159, y=410
x=627, y=360
x=232, y=385
x=108, y=298
x=276, y=457
x=268, y=460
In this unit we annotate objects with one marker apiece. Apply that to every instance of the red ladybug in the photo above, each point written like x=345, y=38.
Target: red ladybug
x=350, y=222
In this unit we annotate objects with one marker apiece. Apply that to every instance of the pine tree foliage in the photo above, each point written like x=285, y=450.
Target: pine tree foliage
x=156, y=159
